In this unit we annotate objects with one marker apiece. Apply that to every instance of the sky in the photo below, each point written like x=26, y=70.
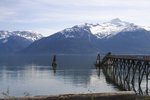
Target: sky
x=50, y=16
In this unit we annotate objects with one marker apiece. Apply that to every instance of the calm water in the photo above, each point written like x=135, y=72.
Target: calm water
x=33, y=75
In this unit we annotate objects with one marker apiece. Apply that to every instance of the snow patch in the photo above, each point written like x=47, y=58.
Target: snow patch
x=69, y=36
x=106, y=29
x=146, y=28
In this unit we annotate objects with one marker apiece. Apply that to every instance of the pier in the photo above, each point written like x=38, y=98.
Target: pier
x=128, y=72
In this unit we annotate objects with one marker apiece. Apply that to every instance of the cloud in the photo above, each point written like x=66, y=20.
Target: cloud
x=6, y=13
x=57, y=14
x=46, y=31
x=90, y=2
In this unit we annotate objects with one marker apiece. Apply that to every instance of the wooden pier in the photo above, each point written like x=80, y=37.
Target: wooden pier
x=128, y=72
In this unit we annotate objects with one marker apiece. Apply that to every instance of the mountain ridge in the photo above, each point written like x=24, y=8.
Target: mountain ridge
x=115, y=36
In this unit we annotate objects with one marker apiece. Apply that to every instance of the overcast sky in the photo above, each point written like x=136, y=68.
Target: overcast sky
x=50, y=16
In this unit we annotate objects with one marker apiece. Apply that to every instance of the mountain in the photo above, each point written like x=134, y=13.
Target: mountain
x=77, y=39
x=11, y=42
x=116, y=36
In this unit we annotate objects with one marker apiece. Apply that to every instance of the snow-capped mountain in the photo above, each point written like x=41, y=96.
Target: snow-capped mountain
x=32, y=36
x=113, y=36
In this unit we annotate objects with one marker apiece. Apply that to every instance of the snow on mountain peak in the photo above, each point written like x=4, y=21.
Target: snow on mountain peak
x=75, y=31
x=32, y=36
x=103, y=30
x=111, y=28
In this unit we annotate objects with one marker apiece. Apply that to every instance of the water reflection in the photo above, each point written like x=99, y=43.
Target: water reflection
x=75, y=74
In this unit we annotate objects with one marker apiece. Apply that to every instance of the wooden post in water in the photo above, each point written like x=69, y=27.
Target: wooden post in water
x=54, y=64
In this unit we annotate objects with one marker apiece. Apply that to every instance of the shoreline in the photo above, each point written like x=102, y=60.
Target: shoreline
x=122, y=95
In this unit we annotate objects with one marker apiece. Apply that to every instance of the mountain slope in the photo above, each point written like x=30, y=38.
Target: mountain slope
x=132, y=42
